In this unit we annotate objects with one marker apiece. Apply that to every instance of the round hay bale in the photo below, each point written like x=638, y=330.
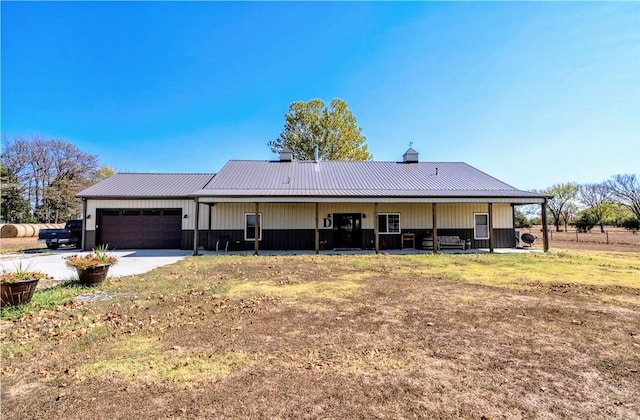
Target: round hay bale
x=8, y=231
x=31, y=230
x=21, y=230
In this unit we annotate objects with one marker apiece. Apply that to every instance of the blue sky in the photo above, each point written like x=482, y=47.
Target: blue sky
x=532, y=93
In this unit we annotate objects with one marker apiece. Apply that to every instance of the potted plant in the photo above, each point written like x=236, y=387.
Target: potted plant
x=17, y=287
x=92, y=268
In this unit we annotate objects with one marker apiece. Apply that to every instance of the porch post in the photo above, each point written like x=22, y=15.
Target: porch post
x=545, y=227
x=434, y=219
x=196, y=226
x=256, y=230
x=209, y=224
x=490, y=227
x=317, y=229
x=376, y=228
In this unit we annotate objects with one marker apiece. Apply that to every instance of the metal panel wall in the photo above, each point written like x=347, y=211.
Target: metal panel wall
x=460, y=215
x=302, y=215
x=187, y=206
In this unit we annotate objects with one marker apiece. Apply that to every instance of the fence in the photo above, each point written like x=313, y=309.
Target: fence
x=614, y=236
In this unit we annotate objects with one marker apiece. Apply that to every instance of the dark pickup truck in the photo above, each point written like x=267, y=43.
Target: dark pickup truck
x=71, y=234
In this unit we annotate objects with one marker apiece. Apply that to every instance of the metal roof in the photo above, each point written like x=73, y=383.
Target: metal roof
x=147, y=185
x=240, y=178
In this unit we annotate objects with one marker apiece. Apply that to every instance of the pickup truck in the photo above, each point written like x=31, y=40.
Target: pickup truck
x=71, y=234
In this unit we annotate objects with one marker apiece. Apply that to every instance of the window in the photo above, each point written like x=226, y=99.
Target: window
x=389, y=223
x=481, y=226
x=250, y=226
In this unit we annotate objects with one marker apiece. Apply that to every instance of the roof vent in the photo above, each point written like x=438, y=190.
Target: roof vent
x=286, y=155
x=410, y=156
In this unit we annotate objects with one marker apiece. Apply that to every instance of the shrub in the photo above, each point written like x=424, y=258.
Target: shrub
x=631, y=224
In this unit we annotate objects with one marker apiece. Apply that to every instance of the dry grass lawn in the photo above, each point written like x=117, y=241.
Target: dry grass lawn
x=437, y=336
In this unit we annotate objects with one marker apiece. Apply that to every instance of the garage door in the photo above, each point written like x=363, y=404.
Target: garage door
x=140, y=228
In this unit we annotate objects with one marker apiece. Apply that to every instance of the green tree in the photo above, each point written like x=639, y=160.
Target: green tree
x=561, y=205
x=14, y=208
x=585, y=221
x=333, y=130
x=597, y=199
x=631, y=224
x=521, y=220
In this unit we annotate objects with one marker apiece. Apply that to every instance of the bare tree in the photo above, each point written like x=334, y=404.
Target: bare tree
x=626, y=190
x=51, y=172
x=597, y=197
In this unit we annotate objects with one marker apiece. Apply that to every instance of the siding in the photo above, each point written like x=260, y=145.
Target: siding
x=302, y=215
x=461, y=215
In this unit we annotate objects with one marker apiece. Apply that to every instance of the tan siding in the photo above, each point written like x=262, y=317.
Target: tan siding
x=302, y=215
x=275, y=216
x=460, y=215
x=412, y=216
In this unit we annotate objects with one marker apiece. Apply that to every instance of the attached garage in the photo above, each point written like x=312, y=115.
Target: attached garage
x=138, y=211
x=140, y=228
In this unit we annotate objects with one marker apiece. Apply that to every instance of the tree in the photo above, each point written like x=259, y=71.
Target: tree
x=597, y=199
x=586, y=221
x=334, y=131
x=626, y=190
x=631, y=224
x=521, y=220
x=50, y=173
x=562, y=204
x=14, y=207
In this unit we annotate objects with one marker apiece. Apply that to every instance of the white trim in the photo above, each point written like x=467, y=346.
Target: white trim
x=259, y=226
x=475, y=226
x=387, y=232
x=426, y=200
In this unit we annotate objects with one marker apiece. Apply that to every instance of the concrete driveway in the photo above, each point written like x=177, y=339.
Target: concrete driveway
x=130, y=262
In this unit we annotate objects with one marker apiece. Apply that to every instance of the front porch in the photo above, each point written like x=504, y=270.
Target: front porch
x=370, y=251
x=330, y=226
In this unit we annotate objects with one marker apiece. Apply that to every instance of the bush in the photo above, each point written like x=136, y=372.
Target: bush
x=631, y=224
x=585, y=222
x=521, y=220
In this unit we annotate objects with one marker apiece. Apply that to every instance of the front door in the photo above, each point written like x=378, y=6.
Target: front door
x=347, y=232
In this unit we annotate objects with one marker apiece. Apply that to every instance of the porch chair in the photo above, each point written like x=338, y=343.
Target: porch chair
x=409, y=237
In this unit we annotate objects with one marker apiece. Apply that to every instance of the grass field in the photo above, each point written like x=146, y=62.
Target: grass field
x=438, y=336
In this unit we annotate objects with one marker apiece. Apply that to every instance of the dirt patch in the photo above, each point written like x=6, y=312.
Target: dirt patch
x=283, y=337
x=20, y=245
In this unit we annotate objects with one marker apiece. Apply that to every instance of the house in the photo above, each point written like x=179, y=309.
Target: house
x=306, y=205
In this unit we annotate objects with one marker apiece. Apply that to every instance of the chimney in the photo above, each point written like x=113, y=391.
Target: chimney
x=286, y=155
x=410, y=156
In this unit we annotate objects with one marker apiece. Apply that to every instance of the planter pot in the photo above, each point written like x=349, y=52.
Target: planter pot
x=17, y=293
x=93, y=275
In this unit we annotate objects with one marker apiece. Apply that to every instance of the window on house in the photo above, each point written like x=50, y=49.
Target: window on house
x=389, y=223
x=250, y=226
x=481, y=226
